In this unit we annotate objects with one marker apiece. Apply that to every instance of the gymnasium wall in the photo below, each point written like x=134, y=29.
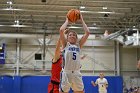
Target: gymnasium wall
x=100, y=58
x=38, y=84
x=128, y=62
x=128, y=59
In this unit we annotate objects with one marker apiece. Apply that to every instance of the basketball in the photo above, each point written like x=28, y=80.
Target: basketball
x=73, y=15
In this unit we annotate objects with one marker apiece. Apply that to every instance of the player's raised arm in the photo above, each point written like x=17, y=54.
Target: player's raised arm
x=57, y=51
x=86, y=34
x=62, y=32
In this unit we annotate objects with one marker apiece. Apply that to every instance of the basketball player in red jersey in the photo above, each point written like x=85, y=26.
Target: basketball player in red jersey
x=53, y=86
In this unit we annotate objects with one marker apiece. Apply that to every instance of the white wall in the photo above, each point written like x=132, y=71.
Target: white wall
x=100, y=57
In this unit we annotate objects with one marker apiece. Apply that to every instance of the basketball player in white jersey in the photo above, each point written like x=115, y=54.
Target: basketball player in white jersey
x=102, y=83
x=71, y=76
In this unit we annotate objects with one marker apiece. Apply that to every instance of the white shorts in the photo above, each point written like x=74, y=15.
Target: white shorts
x=71, y=79
x=102, y=91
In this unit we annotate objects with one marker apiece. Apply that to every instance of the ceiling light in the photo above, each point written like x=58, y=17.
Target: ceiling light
x=75, y=27
x=17, y=25
x=134, y=26
x=10, y=2
x=1, y=25
x=15, y=35
x=106, y=12
x=104, y=8
x=134, y=29
x=9, y=6
x=17, y=22
x=93, y=27
x=82, y=7
x=84, y=11
x=99, y=12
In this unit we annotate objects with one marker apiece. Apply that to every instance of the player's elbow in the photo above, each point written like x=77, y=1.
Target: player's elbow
x=87, y=32
x=61, y=31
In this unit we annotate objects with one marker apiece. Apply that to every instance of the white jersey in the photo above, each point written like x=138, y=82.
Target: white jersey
x=71, y=57
x=102, y=85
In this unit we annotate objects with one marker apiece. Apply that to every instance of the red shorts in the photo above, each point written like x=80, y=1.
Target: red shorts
x=53, y=88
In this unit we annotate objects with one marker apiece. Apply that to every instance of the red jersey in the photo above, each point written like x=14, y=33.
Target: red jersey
x=56, y=69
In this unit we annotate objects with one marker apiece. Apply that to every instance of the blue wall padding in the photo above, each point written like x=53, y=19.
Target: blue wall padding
x=39, y=84
x=88, y=86
x=6, y=84
x=34, y=84
x=16, y=84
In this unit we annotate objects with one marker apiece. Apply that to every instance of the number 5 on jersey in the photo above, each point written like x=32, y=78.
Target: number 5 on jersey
x=74, y=56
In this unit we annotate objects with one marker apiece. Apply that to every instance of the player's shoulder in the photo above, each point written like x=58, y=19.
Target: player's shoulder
x=104, y=78
x=98, y=79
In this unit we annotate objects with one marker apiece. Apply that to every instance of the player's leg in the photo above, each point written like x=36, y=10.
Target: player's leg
x=77, y=82
x=56, y=88
x=64, y=84
x=50, y=88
